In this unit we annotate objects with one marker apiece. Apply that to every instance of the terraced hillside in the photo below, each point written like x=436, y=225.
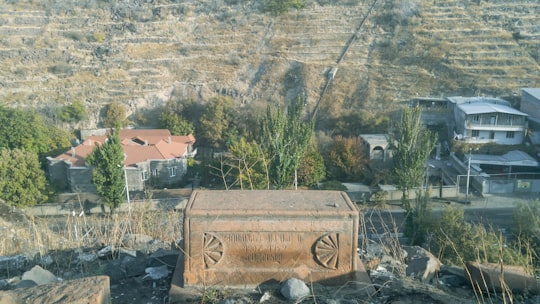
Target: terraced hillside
x=141, y=53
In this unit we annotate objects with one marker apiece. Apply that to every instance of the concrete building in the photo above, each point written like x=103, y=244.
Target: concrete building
x=530, y=104
x=376, y=147
x=151, y=156
x=482, y=120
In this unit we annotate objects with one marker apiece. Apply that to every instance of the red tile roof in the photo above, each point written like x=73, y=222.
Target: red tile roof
x=139, y=145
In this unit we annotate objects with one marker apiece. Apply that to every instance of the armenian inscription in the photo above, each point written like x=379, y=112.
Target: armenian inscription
x=250, y=237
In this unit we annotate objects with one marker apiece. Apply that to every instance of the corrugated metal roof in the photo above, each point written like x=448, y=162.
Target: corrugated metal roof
x=485, y=108
x=512, y=158
x=460, y=100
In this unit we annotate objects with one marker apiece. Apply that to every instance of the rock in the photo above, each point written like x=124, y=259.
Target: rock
x=452, y=276
x=12, y=264
x=40, y=276
x=240, y=300
x=157, y=273
x=105, y=252
x=90, y=290
x=452, y=280
x=46, y=260
x=294, y=289
x=163, y=257
x=87, y=257
x=114, y=271
x=133, y=266
x=25, y=284
x=421, y=264
x=341, y=301
x=488, y=278
x=265, y=297
x=6, y=298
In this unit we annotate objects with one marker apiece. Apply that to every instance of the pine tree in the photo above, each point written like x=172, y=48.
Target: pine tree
x=22, y=182
x=108, y=170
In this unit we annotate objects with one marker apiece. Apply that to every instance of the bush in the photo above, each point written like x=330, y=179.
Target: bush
x=278, y=7
x=527, y=227
x=74, y=112
x=457, y=241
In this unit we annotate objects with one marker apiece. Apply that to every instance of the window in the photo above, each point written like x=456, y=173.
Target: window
x=509, y=134
x=155, y=172
x=172, y=171
x=144, y=175
x=491, y=135
x=475, y=133
x=476, y=118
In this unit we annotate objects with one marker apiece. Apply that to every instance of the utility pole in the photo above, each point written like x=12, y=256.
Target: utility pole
x=468, y=177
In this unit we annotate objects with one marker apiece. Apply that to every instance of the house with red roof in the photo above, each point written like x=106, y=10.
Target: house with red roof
x=152, y=156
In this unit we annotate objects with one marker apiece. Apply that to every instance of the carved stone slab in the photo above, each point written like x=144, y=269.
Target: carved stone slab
x=246, y=238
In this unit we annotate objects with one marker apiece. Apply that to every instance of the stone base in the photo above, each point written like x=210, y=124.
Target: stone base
x=89, y=290
x=357, y=284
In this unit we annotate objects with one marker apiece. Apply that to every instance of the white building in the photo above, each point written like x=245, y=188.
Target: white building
x=487, y=120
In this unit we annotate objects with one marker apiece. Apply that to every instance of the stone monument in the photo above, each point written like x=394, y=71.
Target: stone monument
x=246, y=238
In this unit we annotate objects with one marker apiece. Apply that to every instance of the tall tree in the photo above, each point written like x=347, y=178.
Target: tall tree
x=411, y=144
x=175, y=123
x=346, y=160
x=216, y=122
x=311, y=170
x=28, y=130
x=108, y=171
x=244, y=167
x=115, y=113
x=285, y=137
x=22, y=182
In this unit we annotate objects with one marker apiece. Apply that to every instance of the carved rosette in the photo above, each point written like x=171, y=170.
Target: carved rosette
x=212, y=250
x=327, y=250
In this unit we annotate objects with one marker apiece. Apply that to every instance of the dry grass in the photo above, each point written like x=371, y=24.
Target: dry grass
x=41, y=235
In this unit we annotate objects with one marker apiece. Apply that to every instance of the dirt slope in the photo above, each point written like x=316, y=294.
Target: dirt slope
x=143, y=52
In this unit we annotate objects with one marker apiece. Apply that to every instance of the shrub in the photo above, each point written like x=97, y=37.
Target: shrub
x=457, y=241
x=527, y=227
x=98, y=36
x=76, y=36
x=72, y=113
x=278, y=7
x=332, y=185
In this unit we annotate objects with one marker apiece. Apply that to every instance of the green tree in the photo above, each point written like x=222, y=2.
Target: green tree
x=527, y=227
x=27, y=130
x=216, y=122
x=411, y=144
x=115, y=113
x=346, y=160
x=311, y=170
x=74, y=112
x=279, y=7
x=244, y=166
x=108, y=170
x=175, y=123
x=22, y=182
x=420, y=221
x=285, y=137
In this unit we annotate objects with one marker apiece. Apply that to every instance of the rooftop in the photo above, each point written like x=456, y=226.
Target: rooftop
x=535, y=92
x=138, y=144
x=481, y=108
